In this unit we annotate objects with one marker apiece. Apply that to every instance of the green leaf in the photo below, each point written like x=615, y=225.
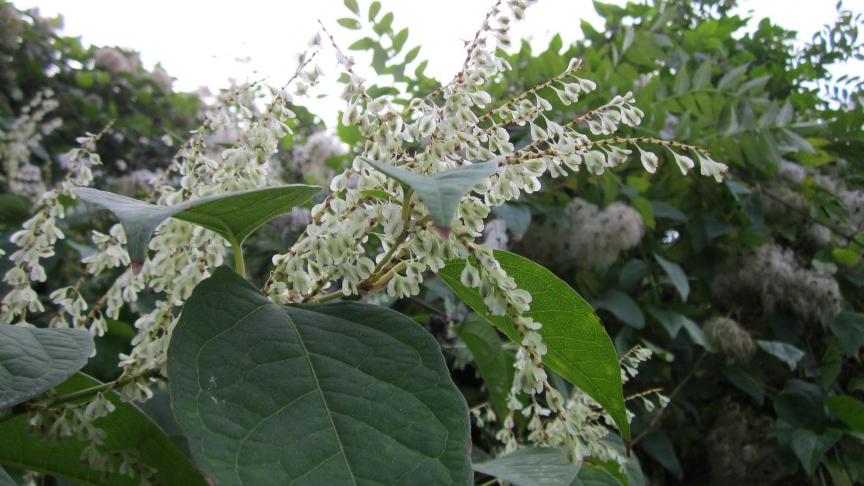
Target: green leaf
x=399, y=39
x=374, y=8
x=579, y=348
x=659, y=447
x=14, y=209
x=849, y=329
x=127, y=429
x=352, y=6
x=643, y=207
x=664, y=210
x=672, y=321
x=33, y=360
x=745, y=382
x=379, y=194
x=323, y=394
x=384, y=24
x=531, y=467
x=676, y=275
x=783, y=351
x=5, y=479
x=847, y=409
x=363, y=44
x=846, y=256
x=349, y=134
x=348, y=23
x=440, y=192
x=732, y=76
x=590, y=475
x=494, y=363
x=808, y=446
x=622, y=306
x=233, y=215
x=632, y=274
x=801, y=404
x=703, y=75
x=412, y=54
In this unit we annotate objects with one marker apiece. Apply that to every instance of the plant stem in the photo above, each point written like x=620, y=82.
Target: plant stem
x=93, y=390
x=239, y=264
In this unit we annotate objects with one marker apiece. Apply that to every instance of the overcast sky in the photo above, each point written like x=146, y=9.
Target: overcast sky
x=200, y=42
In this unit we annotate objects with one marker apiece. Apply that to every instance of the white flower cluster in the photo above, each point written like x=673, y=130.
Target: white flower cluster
x=582, y=434
x=584, y=236
x=18, y=140
x=36, y=239
x=772, y=275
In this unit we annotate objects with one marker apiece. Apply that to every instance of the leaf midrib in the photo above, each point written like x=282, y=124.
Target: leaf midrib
x=306, y=356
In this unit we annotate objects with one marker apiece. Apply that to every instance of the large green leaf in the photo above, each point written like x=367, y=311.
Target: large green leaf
x=531, y=467
x=126, y=429
x=32, y=360
x=579, y=348
x=233, y=215
x=494, y=363
x=440, y=192
x=342, y=393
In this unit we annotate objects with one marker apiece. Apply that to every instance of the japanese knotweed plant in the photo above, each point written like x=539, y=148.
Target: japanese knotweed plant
x=301, y=380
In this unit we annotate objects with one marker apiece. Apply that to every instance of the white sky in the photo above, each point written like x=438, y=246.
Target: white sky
x=199, y=42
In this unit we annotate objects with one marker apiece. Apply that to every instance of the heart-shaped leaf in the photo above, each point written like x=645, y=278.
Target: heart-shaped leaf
x=440, y=192
x=530, y=466
x=233, y=215
x=342, y=393
x=579, y=348
x=126, y=429
x=32, y=360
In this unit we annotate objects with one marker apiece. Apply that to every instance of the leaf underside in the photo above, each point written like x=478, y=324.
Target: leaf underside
x=233, y=215
x=443, y=191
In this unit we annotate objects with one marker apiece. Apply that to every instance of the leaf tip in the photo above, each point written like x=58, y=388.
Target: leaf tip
x=443, y=231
